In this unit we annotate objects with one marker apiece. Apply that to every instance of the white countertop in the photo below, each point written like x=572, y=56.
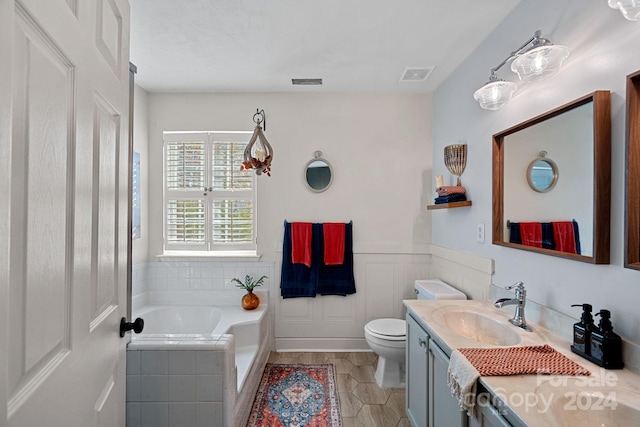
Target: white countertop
x=539, y=400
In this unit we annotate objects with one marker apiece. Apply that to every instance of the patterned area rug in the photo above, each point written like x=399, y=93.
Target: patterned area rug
x=296, y=396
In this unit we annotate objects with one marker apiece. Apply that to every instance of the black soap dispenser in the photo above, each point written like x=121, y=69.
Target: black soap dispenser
x=582, y=331
x=606, y=345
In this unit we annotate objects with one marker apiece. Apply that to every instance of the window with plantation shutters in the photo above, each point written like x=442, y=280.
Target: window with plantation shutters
x=210, y=203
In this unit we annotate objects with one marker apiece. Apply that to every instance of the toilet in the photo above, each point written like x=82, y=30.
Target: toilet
x=388, y=337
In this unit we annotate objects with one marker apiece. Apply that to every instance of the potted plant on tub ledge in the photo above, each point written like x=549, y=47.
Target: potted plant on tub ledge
x=250, y=300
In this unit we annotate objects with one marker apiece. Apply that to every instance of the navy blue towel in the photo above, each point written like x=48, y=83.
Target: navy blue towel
x=298, y=280
x=514, y=234
x=548, y=241
x=576, y=235
x=450, y=198
x=336, y=279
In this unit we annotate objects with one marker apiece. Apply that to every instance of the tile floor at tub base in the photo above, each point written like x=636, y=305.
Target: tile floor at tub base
x=362, y=402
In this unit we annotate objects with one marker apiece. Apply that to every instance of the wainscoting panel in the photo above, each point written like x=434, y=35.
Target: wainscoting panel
x=337, y=323
x=468, y=273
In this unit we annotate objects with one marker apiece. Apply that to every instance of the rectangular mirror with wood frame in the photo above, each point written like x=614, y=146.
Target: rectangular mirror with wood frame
x=632, y=199
x=552, y=182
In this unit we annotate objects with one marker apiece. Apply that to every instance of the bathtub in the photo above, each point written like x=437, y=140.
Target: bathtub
x=189, y=343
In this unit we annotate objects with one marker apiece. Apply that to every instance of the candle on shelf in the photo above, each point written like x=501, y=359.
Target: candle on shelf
x=439, y=181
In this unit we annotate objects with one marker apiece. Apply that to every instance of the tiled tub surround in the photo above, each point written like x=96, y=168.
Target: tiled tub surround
x=193, y=386
x=204, y=380
x=194, y=276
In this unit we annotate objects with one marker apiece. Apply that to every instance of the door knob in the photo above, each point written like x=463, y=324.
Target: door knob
x=137, y=326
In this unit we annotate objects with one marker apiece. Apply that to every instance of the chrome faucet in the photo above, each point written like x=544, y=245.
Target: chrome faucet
x=519, y=301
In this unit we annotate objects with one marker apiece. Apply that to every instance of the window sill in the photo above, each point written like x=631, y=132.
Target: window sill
x=219, y=256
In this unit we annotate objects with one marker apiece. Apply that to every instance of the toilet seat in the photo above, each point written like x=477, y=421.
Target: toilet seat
x=387, y=329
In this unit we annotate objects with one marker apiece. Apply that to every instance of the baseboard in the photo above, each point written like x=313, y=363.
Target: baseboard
x=322, y=344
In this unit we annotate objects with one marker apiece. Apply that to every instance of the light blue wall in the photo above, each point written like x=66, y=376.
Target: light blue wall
x=604, y=50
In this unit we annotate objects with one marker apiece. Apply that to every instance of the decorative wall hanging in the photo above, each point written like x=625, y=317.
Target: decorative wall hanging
x=258, y=154
x=455, y=159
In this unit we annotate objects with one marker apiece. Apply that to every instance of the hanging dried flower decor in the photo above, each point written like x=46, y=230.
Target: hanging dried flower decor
x=258, y=154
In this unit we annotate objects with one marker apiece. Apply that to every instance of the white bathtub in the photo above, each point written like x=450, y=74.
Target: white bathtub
x=180, y=326
x=196, y=327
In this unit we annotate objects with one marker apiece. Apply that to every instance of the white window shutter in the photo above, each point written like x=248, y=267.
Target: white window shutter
x=209, y=200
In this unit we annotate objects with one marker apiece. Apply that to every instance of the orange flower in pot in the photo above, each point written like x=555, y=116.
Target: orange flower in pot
x=250, y=300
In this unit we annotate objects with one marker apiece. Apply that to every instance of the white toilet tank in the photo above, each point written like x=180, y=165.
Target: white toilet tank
x=432, y=289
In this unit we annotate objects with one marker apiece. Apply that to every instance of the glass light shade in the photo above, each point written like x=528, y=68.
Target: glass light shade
x=630, y=9
x=539, y=63
x=495, y=94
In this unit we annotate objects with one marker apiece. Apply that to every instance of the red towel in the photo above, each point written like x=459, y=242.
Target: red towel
x=301, y=243
x=531, y=234
x=333, y=243
x=564, y=236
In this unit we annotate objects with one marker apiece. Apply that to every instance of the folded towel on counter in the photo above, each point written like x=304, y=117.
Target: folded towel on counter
x=450, y=198
x=533, y=359
x=466, y=365
x=531, y=234
x=301, y=243
x=333, y=242
x=462, y=377
x=564, y=236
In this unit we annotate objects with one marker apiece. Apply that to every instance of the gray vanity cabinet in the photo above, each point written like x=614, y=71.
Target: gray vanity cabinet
x=443, y=406
x=488, y=416
x=429, y=399
x=417, y=373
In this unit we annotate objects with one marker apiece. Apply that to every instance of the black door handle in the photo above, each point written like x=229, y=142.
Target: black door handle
x=137, y=326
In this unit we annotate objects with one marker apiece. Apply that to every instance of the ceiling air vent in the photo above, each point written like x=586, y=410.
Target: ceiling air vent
x=416, y=74
x=307, y=82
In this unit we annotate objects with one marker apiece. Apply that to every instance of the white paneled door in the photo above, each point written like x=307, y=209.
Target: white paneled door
x=64, y=91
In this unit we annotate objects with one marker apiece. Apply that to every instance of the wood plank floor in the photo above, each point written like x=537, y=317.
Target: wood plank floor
x=362, y=402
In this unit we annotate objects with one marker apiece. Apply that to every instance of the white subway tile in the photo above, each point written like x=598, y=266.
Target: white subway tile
x=133, y=415
x=209, y=362
x=154, y=388
x=182, y=362
x=182, y=388
x=209, y=388
x=154, y=362
x=133, y=388
x=154, y=414
x=208, y=414
x=133, y=362
x=182, y=414
x=158, y=284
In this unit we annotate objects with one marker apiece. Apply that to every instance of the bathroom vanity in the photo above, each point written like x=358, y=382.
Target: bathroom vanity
x=435, y=328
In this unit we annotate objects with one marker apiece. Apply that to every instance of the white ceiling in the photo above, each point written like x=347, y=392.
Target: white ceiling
x=260, y=45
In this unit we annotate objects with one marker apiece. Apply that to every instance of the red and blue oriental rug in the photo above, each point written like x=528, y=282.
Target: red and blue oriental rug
x=296, y=396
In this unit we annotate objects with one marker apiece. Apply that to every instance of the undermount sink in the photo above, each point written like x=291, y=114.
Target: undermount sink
x=480, y=327
x=588, y=406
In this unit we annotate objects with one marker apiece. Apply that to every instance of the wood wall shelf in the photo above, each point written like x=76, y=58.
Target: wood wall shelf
x=449, y=205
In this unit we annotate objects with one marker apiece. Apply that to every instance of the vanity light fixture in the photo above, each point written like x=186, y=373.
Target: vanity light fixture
x=630, y=9
x=537, y=59
x=258, y=154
